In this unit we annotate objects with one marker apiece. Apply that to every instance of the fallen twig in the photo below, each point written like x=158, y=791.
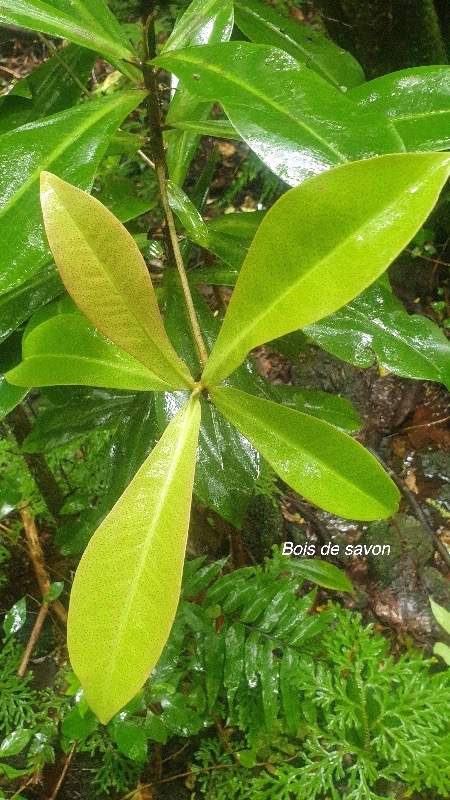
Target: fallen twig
x=64, y=772
x=38, y=561
x=33, y=639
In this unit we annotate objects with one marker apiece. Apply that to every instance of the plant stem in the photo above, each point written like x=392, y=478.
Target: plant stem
x=159, y=159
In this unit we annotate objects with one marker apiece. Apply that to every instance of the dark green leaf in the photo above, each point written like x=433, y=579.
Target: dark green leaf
x=77, y=727
x=295, y=122
x=376, y=324
x=52, y=88
x=190, y=218
x=10, y=396
x=262, y=25
x=54, y=591
x=301, y=265
x=16, y=306
x=61, y=424
x=15, y=617
x=204, y=22
x=120, y=197
x=417, y=101
x=230, y=236
x=322, y=573
x=130, y=737
x=314, y=458
x=71, y=143
x=15, y=743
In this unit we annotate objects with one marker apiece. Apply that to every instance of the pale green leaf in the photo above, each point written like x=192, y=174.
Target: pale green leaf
x=89, y=23
x=68, y=350
x=442, y=650
x=315, y=459
x=71, y=144
x=441, y=615
x=127, y=586
x=321, y=244
x=104, y=272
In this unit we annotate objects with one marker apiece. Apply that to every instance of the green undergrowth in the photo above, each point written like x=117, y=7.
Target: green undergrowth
x=285, y=700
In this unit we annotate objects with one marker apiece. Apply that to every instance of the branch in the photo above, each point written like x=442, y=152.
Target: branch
x=159, y=159
x=20, y=427
x=38, y=561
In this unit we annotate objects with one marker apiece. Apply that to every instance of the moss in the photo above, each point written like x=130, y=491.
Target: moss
x=409, y=545
x=386, y=36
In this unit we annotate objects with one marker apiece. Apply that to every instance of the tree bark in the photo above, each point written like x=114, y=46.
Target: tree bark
x=386, y=35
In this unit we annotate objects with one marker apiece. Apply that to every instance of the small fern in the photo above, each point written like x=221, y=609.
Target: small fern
x=366, y=723
x=17, y=699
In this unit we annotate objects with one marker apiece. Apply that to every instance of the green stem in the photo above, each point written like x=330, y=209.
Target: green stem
x=159, y=159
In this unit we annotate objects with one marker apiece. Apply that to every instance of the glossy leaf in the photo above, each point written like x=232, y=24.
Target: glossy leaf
x=90, y=23
x=15, y=617
x=15, y=742
x=70, y=143
x=51, y=87
x=227, y=465
x=204, y=22
x=78, y=415
x=197, y=22
x=417, y=101
x=315, y=459
x=262, y=25
x=190, y=218
x=69, y=350
x=376, y=324
x=127, y=585
x=295, y=122
x=330, y=407
x=120, y=197
x=17, y=305
x=219, y=128
x=321, y=244
x=106, y=275
x=322, y=573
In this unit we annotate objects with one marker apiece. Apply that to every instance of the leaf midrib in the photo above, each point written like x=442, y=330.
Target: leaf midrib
x=100, y=362
x=268, y=309
x=268, y=101
x=148, y=335
x=108, y=46
x=137, y=575
x=308, y=453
